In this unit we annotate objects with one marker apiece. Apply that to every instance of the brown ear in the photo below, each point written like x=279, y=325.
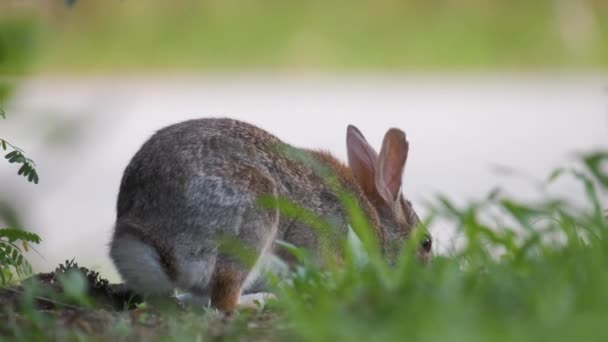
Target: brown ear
x=362, y=160
x=391, y=163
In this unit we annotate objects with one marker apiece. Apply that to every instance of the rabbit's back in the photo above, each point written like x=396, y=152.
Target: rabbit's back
x=192, y=160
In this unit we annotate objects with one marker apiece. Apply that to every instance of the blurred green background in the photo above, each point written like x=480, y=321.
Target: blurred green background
x=80, y=36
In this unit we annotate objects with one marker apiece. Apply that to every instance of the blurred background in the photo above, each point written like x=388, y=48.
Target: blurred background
x=491, y=93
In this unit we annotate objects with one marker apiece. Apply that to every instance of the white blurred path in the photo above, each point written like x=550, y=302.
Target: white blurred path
x=458, y=128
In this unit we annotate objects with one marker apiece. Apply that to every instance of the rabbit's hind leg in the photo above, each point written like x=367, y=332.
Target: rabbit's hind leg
x=230, y=275
x=226, y=285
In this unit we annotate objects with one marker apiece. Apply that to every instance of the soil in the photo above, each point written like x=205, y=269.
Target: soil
x=114, y=306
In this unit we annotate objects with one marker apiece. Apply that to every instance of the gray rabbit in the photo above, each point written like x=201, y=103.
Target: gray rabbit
x=196, y=183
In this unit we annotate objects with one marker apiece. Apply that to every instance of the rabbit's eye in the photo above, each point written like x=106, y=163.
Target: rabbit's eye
x=427, y=244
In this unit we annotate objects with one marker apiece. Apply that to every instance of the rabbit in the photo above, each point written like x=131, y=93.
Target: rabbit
x=194, y=183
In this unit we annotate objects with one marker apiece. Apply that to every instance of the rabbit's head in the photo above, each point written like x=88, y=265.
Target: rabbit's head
x=380, y=178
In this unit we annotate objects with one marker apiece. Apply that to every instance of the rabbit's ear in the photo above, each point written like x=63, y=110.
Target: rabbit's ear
x=362, y=159
x=390, y=166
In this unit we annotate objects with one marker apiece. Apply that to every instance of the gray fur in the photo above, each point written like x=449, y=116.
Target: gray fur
x=195, y=183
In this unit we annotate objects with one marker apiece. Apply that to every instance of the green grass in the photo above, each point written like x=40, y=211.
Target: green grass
x=538, y=271
x=340, y=35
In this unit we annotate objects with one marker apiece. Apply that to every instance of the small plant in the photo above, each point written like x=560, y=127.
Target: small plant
x=13, y=242
x=17, y=156
x=17, y=46
x=13, y=265
x=94, y=280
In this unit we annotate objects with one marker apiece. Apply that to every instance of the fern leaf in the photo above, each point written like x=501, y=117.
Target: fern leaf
x=12, y=235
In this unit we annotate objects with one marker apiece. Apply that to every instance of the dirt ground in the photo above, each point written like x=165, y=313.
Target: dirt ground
x=117, y=314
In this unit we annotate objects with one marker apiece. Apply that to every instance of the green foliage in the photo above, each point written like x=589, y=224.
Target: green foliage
x=13, y=242
x=17, y=156
x=12, y=263
x=93, y=279
x=18, y=42
x=75, y=288
x=524, y=271
x=27, y=168
x=384, y=35
x=16, y=46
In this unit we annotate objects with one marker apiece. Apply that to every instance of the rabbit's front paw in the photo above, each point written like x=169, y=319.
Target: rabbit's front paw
x=255, y=301
x=188, y=301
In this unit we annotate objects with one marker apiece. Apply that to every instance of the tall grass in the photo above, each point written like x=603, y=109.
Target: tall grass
x=538, y=271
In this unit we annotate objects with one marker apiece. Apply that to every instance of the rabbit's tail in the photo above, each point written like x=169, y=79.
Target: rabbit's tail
x=139, y=263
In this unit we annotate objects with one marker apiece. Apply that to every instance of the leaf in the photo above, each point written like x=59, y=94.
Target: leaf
x=13, y=235
x=300, y=254
x=27, y=169
x=15, y=157
x=33, y=177
x=6, y=275
x=494, y=194
x=10, y=155
x=521, y=213
x=555, y=175
x=449, y=206
x=75, y=287
x=26, y=247
x=591, y=191
x=596, y=163
x=12, y=260
x=24, y=170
